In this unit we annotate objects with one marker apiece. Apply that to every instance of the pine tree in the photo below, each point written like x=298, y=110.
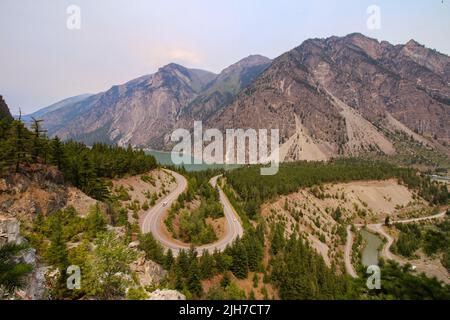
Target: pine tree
x=152, y=248
x=193, y=280
x=278, y=240
x=182, y=263
x=37, y=141
x=169, y=260
x=240, y=260
x=226, y=280
x=255, y=280
x=95, y=221
x=57, y=153
x=19, y=144
x=12, y=273
x=57, y=253
x=206, y=265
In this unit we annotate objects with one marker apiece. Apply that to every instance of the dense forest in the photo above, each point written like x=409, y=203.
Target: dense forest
x=399, y=283
x=288, y=264
x=64, y=238
x=301, y=273
x=433, y=239
x=192, y=226
x=82, y=166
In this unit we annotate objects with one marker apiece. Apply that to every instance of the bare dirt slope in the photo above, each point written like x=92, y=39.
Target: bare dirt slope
x=139, y=193
x=39, y=189
x=321, y=214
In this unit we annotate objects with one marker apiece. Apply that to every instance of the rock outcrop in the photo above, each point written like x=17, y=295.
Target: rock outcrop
x=10, y=231
x=166, y=295
x=148, y=272
x=36, y=286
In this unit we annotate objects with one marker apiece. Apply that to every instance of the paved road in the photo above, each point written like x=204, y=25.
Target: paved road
x=385, y=252
x=348, y=253
x=152, y=220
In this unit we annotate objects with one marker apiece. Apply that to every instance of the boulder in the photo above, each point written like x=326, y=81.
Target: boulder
x=148, y=272
x=166, y=295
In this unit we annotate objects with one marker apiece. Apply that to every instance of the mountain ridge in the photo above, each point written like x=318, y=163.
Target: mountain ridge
x=343, y=90
x=144, y=110
x=336, y=96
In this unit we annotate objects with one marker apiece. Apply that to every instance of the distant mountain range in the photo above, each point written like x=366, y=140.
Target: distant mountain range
x=143, y=111
x=61, y=104
x=329, y=97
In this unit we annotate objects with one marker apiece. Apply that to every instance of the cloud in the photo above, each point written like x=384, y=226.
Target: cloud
x=188, y=56
x=156, y=56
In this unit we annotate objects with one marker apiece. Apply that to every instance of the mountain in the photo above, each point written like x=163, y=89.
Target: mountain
x=345, y=95
x=58, y=105
x=136, y=112
x=144, y=111
x=225, y=87
x=4, y=110
x=339, y=96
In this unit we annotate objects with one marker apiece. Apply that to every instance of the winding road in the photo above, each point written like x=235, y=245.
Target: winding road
x=152, y=221
x=385, y=252
x=348, y=253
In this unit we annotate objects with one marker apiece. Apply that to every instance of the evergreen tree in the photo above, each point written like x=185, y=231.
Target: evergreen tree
x=95, y=221
x=169, y=260
x=152, y=248
x=240, y=260
x=20, y=144
x=255, y=280
x=57, y=252
x=109, y=270
x=277, y=242
x=12, y=272
x=193, y=280
x=206, y=265
x=57, y=153
x=37, y=140
x=226, y=280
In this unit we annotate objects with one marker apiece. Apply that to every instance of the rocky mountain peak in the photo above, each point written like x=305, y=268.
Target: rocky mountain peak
x=330, y=97
x=413, y=44
x=195, y=78
x=251, y=60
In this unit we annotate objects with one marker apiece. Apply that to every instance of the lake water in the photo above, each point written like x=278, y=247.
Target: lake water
x=371, y=250
x=164, y=158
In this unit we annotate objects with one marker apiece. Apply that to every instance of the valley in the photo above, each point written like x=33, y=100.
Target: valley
x=88, y=182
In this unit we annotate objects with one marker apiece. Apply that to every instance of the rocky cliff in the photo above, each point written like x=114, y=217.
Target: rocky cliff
x=144, y=111
x=338, y=96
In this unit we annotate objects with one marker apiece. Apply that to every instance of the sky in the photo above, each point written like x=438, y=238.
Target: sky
x=42, y=61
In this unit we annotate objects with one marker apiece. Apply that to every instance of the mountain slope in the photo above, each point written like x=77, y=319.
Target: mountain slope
x=144, y=111
x=58, y=105
x=136, y=112
x=225, y=87
x=336, y=96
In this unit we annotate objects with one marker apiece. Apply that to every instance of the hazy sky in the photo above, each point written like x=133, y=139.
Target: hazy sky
x=42, y=61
